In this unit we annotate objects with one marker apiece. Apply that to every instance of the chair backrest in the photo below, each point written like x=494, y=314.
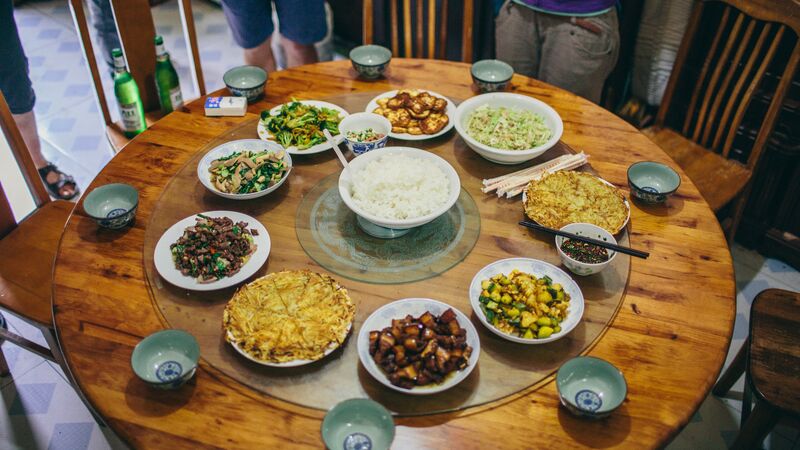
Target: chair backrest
x=27, y=167
x=728, y=47
x=136, y=31
x=419, y=38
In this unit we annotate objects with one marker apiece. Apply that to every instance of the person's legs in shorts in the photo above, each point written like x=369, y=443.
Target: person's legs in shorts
x=578, y=55
x=18, y=92
x=251, y=24
x=516, y=38
x=302, y=24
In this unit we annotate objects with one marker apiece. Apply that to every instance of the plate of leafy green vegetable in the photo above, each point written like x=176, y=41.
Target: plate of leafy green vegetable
x=298, y=125
x=244, y=169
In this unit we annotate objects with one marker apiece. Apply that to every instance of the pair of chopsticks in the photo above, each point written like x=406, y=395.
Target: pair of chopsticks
x=604, y=244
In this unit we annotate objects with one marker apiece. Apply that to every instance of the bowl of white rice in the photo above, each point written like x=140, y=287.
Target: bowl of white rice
x=398, y=188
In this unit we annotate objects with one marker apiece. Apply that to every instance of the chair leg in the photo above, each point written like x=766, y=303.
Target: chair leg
x=4, y=371
x=732, y=373
x=52, y=341
x=738, y=212
x=762, y=420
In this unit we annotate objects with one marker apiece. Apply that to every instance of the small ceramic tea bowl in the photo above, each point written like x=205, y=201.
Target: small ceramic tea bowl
x=246, y=81
x=358, y=424
x=491, y=75
x=166, y=359
x=590, y=387
x=370, y=61
x=590, y=231
x=652, y=182
x=359, y=122
x=112, y=205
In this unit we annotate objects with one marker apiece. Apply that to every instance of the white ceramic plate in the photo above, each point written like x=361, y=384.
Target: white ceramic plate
x=382, y=318
x=240, y=145
x=450, y=111
x=265, y=135
x=539, y=269
x=624, y=199
x=297, y=362
x=166, y=267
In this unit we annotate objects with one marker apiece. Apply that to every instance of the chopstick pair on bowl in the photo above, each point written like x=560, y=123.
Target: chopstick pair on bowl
x=604, y=244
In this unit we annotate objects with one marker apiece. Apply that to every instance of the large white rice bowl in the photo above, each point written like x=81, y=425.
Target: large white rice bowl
x=399, y=187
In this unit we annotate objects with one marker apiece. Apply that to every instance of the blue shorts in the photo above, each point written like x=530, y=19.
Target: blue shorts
x=301, y=21
x=14, y=81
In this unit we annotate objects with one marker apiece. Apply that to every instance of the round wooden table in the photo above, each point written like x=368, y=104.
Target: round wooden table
x=669, y=338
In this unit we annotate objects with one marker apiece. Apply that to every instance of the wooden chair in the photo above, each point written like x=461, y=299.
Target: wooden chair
x=29, y=249
x=718, y=71
x=415, y=29
x=136, y=31
x=771, y=361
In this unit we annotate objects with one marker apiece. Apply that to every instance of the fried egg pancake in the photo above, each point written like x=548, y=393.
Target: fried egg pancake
x=567, y=197
x=289, y=315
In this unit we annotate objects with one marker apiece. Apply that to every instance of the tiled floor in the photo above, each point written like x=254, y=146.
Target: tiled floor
x=42, y=410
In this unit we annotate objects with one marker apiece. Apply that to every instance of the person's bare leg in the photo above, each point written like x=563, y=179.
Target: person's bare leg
x=27, y=127
x=261, y=56
x=298, y=54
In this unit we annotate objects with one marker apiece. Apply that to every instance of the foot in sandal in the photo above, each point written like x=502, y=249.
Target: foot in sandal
x=59, y=184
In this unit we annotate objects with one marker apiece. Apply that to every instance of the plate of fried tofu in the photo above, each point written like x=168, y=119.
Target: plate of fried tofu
x=415, y=114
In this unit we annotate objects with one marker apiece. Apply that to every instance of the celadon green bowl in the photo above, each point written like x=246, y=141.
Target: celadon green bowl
x=166, y=359
x=370, y=61
x=590, y=387
x=491, y=75
x=652, y=182
x=112, y=205
x=358, y=424
x=246, y=81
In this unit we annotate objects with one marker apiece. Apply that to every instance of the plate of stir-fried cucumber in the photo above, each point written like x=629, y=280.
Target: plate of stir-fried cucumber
x=298, y=125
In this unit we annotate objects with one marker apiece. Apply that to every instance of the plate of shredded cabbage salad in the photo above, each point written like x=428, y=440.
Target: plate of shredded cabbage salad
x=507, y=128
x=298, y=125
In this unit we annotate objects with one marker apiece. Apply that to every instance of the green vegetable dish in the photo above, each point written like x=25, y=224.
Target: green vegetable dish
x=301, y=125
x=246, y=172
x=522, y=305
x=507, y=128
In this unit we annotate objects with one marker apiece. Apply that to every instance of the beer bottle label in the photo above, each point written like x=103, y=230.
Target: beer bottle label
x=176, y=98
x=131, y=120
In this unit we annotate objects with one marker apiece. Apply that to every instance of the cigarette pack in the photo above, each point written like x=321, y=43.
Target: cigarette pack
x=226, y=106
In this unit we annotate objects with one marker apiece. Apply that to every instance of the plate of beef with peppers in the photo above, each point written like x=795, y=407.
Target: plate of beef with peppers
x=418, y=346
x=212, y=250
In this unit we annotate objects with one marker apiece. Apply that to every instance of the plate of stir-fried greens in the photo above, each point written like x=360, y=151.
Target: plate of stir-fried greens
x=298, y=125
x=244, y=169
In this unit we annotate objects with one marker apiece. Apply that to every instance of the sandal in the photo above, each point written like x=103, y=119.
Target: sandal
x=63, y=180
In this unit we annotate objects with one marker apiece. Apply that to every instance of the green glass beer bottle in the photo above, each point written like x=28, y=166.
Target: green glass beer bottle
x=167, y=83
x=131, y=108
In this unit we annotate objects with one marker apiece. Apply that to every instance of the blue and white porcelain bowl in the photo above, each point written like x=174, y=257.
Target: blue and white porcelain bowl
x=166, y=359
x=491, y=75
x=370, y=61
x=590, y=387
x=246, y=81
x=360, y=122
x=590, y=231
x=358, y=424
x=652, y=182
x=112, y=205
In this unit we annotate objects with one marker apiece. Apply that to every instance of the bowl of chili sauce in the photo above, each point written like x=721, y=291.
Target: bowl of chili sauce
x=583, y=258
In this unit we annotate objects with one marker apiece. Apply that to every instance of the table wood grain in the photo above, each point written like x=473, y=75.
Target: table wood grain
x=669, y=338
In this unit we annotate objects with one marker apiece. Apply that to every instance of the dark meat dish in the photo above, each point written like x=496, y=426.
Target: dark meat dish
x=421, y=351
x=214, y=248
